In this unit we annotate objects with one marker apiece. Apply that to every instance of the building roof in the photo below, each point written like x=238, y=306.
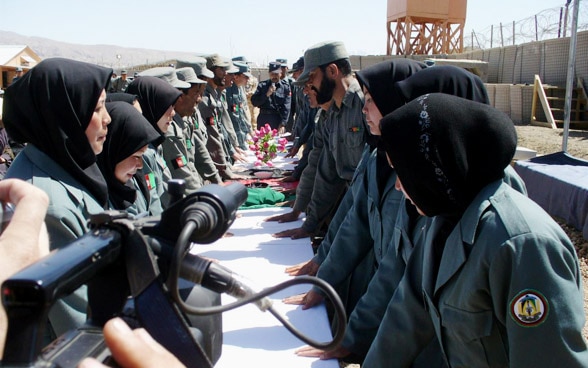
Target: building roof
x=9, y=52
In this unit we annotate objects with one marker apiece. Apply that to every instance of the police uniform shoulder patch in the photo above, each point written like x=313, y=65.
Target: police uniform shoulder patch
x=529, y=308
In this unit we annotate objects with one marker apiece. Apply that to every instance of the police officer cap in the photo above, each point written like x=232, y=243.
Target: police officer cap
x=274, y=67
x=240, y=58
x=187, y=74
x=215, y=60
x=198, y=63
x=298, y=65
x=19, y=69
x=243, y=69
x=321, y=54
x=231, y=69
x=123, y=71
x=283, y=62
x=168, y=74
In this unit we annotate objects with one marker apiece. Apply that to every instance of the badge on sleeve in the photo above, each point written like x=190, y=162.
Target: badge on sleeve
x=150, y=181
x=529, y=308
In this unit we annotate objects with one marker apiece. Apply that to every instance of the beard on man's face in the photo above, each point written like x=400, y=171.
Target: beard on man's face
x=219, y=81
x=325, y=93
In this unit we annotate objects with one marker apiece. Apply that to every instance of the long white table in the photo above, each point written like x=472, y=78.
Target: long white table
x=252, y=337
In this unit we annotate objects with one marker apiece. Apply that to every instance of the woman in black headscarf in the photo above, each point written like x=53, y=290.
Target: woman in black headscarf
x=58, y=109
x=448, y=79
x=157, y=99
x=497, y=277
x=121, y=159
x=363, y=236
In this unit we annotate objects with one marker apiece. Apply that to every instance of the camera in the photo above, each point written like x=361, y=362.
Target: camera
x=123, y=261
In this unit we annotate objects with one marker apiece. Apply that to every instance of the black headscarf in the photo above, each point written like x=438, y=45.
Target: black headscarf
x=448, y=79
x=445, y=149
x=379, y=80
x=50, y=107
x=121, y=96
x=155, y=97
x=128, y=132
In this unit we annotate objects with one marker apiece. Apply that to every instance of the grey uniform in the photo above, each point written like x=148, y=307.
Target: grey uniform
x=196, y=138
x=344, y=137
x=67, y=215
x=176, y=156
x=508, y=292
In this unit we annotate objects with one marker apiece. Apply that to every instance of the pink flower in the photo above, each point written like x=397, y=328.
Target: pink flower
x=257, y=163
x=266, y=145
x=255, y=138
x=270, y=164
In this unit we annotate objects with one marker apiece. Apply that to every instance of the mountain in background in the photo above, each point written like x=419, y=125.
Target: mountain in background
x=105, y=55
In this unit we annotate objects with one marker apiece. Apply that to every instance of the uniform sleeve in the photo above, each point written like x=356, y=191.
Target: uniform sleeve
x=327, y=192
x=202, y=160
x=406, y=329
x=259, y=97
x=536, y=290
x=306, y=184
x=176, y=160
x=285, y=107
x=351, y=244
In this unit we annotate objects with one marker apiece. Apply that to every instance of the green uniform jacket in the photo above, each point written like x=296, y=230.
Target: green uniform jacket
x=175, y=154
x=196, y=137
x=344, y=137
x=69, y=209
x=363, y=237
x=508, y=292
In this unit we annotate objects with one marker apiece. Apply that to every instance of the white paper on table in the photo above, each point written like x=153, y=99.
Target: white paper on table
x=252, y=337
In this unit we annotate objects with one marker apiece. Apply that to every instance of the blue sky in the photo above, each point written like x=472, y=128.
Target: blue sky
x=261, y=30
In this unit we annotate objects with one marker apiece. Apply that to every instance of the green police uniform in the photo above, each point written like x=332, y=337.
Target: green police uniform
x=67, y=215
x=196, y=138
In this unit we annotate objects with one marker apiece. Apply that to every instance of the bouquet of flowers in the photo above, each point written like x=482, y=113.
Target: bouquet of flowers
x=266, y=146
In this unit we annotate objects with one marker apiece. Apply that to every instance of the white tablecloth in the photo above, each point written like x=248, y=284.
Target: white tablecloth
x=253, y=338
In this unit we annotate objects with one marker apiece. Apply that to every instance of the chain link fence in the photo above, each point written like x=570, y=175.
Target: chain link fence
x=547, y=24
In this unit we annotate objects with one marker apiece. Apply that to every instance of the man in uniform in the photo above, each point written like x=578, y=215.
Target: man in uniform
x=327, y=72
x=237, y=103
x=287, y=78
x=174, y=146
x=273, y=97
x=121, y=83
x=194, y=127
x=211, y=110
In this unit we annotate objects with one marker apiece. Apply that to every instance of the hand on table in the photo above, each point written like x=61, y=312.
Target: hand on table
x=285, y=217
x=307, y=300
x=293, y=152
x=309, y=268
x=309, y=351
x=297, y=233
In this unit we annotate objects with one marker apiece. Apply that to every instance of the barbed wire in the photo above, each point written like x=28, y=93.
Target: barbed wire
x=547, y=24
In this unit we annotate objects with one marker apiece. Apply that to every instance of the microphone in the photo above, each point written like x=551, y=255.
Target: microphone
x=216, y=277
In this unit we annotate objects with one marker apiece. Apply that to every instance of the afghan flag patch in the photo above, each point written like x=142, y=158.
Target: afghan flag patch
x=180, y=161
x=150, y=180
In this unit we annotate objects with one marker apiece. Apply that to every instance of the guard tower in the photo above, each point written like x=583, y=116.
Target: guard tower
x=425, y=27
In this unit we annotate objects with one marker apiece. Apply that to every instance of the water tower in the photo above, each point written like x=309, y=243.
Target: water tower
x=425, y=27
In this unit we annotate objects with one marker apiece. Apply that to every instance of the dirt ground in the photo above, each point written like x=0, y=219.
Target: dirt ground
x=544, y=141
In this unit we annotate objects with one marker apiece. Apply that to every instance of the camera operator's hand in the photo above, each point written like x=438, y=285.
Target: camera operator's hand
x=25, y=238
x=133, y=348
